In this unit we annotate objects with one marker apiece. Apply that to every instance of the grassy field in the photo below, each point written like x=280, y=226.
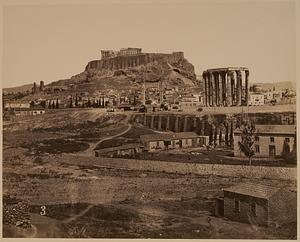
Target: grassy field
x=132, y=136
x=85, y=201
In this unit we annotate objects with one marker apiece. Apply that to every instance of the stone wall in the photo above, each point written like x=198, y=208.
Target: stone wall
x=258, y=172
x=243, y=214
x=122, y=62
x=214, y=126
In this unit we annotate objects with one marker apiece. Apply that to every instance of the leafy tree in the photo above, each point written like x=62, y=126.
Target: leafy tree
x=231, y=135
x=71, y=102
x=290, y=156
x=248, y=138
x=31, y=104
x=43, y=104
x=167, y=143
x=286, y=148
x=76, y=101
x=215, y=136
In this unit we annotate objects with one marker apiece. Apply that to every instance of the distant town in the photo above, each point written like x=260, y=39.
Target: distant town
x=218, y=87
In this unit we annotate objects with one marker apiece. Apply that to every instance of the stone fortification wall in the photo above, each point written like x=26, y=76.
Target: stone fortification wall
x=122, y=62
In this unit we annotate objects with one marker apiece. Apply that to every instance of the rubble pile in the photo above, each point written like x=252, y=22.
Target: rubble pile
x=15, y=212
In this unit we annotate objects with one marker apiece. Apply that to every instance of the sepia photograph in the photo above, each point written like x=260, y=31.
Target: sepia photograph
x=152, y=119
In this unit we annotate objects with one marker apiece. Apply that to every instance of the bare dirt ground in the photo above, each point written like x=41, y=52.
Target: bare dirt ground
x=84, y=201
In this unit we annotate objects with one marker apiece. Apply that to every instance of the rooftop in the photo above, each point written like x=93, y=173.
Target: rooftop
x=168, y=136
x=253, y=190
x=122, y=147
x=273, y=129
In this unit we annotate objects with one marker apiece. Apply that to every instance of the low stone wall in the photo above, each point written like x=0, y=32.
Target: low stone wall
x=259, y=172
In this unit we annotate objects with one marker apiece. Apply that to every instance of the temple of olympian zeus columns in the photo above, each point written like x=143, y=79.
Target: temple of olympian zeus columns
x=226, y=86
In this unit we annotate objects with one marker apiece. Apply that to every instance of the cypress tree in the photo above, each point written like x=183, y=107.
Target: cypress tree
x=76, y=101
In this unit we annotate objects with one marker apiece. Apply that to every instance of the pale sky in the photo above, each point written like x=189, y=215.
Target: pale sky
x=51, y=42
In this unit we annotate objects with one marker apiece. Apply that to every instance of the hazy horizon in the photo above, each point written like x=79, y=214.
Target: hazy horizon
x=55, y=42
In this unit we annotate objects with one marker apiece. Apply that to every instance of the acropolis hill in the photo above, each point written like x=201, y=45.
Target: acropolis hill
x=123, y=68
x=133, y=57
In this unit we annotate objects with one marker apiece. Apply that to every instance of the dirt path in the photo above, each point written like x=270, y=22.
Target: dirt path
x=90, y=150
x=75, y=217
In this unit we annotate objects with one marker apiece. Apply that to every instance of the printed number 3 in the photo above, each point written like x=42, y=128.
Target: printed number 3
x=43, y=210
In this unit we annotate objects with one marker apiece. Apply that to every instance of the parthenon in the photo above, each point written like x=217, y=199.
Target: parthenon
x=226, y=86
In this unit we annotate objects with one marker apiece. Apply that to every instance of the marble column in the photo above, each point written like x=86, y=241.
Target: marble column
x=220, y=90
x=185, y=123
x=194, y=123
x=228, y=89
x=216, y=77
x=239, y=88
x=224, y=88
x=159, y=122
x=209, y=89
x=213, y=90
x=145, y=120
x=176, y=123
x=168, y=123
x=205, y=88
x=152, y=122
x=246, y=86
x=233, y=88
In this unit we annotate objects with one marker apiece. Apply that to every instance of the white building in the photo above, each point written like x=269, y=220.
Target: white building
x=14, y=105
x=273, y=95
x=269, y=140
x=191, y=101
x=156, y=142
x=28, y=112
x=256, y=100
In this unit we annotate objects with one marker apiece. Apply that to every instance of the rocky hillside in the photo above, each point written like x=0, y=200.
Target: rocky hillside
x=131, y=72
x=22, y=88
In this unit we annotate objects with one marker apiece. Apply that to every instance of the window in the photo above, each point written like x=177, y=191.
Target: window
x=257, y=149
x=257, y=138
x=287, y=140
x=252, y=207
x=272, y=139
x=237, y=205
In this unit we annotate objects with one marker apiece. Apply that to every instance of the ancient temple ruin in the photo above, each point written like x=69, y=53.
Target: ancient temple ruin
x=226, y=86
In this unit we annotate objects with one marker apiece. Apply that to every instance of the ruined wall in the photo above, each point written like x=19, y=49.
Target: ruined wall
x=122, y=62
x=219, y=130
x=218, y=127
